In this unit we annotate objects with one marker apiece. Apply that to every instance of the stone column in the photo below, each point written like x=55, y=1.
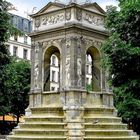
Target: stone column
x=73, y=61
x=73, y=75
x=36, y=75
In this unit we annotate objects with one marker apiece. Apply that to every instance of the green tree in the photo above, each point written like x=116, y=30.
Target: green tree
x=17, y=86
x=4, y=56
x=122, y=59
x=6, y=30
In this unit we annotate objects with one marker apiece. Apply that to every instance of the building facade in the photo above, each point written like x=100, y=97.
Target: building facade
x=20, y=46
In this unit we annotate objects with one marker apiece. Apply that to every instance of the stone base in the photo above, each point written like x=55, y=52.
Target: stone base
x=74, y=116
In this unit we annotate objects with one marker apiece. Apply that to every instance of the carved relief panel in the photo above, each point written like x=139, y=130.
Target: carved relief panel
x=93, y=19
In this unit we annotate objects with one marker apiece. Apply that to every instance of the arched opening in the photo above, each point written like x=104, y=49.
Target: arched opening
x=51, y=69
x=93, y=71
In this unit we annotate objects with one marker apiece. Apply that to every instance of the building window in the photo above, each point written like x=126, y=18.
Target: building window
x=8, y=47
x=15, y=38
x=87, y=68
x=25, y=25
x=58, y=77
x=25, y=52
x=87, y=80
x=25, y=39
x=52, y=88
x=53, y=60
x=53, y=76
x=15, y=49
x=15, y=21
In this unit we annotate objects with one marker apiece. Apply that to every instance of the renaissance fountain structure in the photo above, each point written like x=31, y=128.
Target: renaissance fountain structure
x=71, y=32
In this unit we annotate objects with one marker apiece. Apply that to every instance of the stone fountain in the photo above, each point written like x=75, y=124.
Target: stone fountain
x=72, y=113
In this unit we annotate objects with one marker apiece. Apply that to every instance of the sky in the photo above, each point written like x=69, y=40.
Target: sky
x=31, y=6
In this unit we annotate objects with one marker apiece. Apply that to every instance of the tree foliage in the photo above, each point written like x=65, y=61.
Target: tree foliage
x=6, y=30
x=122, y=59
x=17, y=85
x=4, y=56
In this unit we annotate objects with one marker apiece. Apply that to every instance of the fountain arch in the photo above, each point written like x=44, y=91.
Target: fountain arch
x=95, y=56
x=49, y=51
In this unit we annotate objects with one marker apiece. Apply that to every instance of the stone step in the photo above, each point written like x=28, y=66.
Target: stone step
x=36, y=138
x=41, y=125
x=102, y=133
x=112, y=138
x=99, y=111
x=44, y=119
x=39, y=132
x=108, y=126
x=49, y=111
x=102, y=119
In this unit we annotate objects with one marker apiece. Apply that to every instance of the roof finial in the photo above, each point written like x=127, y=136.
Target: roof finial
x=73, y=1
x=88, y=1
x=57, y=1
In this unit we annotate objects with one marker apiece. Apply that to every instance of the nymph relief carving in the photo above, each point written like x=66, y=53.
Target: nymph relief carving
x=67, y=72
x=93, y=19
x=36, y=65
x=52, y=19
x=79, y=72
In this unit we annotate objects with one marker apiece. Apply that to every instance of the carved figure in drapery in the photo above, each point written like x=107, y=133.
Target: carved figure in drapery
x=79, y=71
x=36, y=75
x=68, y=46
x=67, y=72
x=36, y=66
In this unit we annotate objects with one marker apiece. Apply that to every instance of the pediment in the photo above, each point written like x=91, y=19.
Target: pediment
x=51, y=6
x=94, y=7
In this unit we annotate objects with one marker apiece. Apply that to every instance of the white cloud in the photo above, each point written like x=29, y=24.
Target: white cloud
x=23, y=8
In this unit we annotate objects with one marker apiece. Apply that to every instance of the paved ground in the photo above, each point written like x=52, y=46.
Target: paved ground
x=2, y=137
